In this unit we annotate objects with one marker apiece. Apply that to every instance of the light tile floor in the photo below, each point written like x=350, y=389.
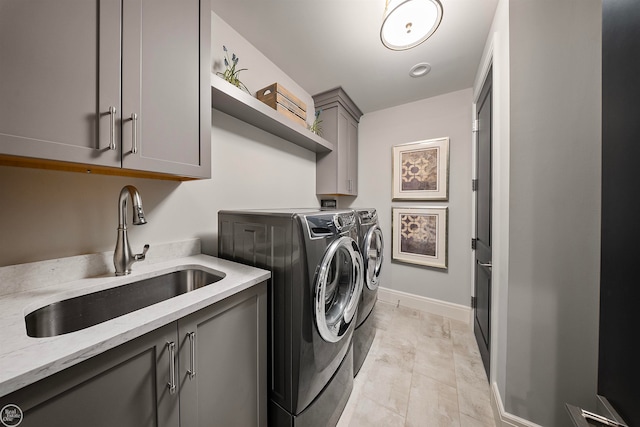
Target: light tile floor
x=422, y=370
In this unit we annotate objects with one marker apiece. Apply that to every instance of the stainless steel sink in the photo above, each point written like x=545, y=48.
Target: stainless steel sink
x=80, y=312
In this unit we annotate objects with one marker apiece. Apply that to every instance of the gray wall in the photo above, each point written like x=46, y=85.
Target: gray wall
x=554, y=230
x=52, y=214
x=446, y=115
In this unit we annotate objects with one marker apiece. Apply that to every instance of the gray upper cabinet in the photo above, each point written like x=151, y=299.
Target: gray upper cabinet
x=80, y=78
x=59, y=76
x=337, y=171
x=166, y=116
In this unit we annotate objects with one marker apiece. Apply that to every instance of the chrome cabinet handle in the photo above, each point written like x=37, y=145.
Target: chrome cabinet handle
x=112, y=128
x=192, y=344
x=134, y=133
x=172, y=367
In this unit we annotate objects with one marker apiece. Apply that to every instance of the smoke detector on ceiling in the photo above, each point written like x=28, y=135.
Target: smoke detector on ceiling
x=419, y=70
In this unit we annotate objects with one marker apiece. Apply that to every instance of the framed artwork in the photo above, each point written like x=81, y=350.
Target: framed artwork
x=421, y=170
x=420, y=236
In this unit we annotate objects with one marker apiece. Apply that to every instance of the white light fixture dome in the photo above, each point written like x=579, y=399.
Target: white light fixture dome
x=407, y=23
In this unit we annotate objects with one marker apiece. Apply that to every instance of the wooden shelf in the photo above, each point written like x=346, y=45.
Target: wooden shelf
x=237, y=103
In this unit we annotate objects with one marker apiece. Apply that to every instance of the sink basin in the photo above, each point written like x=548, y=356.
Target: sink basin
x=80, y=312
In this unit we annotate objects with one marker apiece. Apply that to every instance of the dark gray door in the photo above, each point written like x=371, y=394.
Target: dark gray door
x=59, y=76
x=618, y=367
x=482, y=312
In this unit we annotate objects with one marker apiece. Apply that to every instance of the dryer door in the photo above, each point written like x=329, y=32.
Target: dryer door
x=337, y=288
x=372, y=254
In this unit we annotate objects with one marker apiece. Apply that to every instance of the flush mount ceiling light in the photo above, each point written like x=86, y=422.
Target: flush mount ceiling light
x=407, y=23
x=420, y=70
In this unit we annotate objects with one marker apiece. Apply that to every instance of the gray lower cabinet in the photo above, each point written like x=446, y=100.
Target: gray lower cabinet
x=219, y=375
x=106, y=84
x=337, y=171
x=124, y=387
x=223, y=379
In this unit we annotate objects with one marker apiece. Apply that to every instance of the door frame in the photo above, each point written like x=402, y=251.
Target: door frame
x=483, y=249
x=486, y=66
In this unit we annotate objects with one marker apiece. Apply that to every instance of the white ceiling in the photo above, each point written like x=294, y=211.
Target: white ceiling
x=322, y=44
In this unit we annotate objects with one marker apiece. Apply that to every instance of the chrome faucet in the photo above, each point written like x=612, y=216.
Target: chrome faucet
x=123, y=259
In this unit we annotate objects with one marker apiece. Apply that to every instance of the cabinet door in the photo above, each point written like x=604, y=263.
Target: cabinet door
x=223, y=364
x=59, y=76
x=336, y=172
x=327, y=164
x=124, y=387
x=352, y=158
x=343, y=152
x=166, y=86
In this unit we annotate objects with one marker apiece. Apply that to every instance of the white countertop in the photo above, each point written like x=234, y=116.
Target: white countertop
x=25, y=360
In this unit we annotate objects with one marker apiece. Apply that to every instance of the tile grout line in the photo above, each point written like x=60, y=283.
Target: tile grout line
x=406, y=411
x=455, y=374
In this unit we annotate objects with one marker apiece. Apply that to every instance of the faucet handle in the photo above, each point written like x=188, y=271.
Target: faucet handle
x=140, y=257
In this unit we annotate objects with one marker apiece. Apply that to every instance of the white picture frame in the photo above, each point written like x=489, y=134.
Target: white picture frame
x=421, y=170
x=420, y=235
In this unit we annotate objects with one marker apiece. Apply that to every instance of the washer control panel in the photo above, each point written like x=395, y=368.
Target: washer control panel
x=367, y=216
x=330, y=224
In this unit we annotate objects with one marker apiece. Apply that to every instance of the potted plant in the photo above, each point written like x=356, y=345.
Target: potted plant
x=315, y=126
x=231, y=74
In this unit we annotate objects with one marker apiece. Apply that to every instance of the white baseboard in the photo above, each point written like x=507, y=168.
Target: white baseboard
x=503, y=418
x=447, y=309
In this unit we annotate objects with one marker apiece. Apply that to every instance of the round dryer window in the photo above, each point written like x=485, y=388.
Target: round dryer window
x=373, y=248
x=337, y=288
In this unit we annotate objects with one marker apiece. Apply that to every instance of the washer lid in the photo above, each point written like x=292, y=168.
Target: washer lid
x=338, y=286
